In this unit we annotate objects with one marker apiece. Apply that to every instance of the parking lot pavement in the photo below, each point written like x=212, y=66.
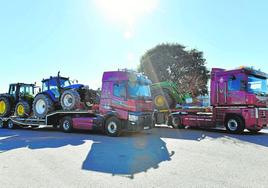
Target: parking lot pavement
x=164, y=157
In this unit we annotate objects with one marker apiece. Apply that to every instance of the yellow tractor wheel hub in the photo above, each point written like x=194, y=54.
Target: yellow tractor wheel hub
x=159, y=100
x=20, y=110
x=3, y=107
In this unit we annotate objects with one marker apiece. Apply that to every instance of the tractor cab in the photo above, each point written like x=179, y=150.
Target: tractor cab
x=21, y=90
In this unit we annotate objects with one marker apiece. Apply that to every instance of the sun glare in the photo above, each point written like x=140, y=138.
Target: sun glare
x=126, y=12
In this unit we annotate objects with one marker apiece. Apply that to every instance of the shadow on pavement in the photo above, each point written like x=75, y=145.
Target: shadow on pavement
x=124, y=156
x=127, y=155
x=199, y=134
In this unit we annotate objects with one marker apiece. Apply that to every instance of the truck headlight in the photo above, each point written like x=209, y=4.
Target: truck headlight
x=133, y=118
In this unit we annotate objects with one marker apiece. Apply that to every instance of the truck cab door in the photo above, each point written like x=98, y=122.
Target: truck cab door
x=221, y=92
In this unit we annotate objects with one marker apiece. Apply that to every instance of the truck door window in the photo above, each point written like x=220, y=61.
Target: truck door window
x=119, y=90
x=234, y=84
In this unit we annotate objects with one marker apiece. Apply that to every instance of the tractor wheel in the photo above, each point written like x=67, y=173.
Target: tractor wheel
x=22, y=109
x=70, y=100
x=162, y=100
x=5, y=107
x=91, y=98
x=2, y=124
x=42, y=105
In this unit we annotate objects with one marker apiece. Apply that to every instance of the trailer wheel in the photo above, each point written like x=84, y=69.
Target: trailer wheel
x=5, y=107
x=2, y=124
x=67, y=124
x=176, y=123
x=235, y=124
x=22, y=109
x=10, y=124
x=113, y=126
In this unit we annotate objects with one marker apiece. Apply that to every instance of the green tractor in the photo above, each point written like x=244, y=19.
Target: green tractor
x=18, y=101
x=166, y=95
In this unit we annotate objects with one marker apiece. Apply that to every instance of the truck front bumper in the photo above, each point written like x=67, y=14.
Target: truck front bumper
x=144, y=122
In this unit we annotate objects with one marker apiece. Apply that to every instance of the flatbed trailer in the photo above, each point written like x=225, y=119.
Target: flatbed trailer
x=67, y=121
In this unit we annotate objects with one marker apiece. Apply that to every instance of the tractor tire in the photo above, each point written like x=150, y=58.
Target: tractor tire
x=70, y=100
x=5, y=107
x=91, y=98
x=22, y=109
x=42, y=105
x=235, y=124
x=162, y=100
x=113, y=127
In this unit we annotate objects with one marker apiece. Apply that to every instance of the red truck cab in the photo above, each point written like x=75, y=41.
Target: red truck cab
x=239, y=100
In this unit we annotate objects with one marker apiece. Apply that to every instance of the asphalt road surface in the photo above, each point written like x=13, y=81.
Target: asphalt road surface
x=164, y=157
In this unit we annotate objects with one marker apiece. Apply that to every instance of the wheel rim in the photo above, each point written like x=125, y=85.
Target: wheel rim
x=175, y=122
x=2, y=107
x=10, y=124
x=112, y=127
x=1, y=124
x=20, y=110
x=68, y=100
x=66, y=125
x=232, y=125
x=159, y=100
x=40, y=106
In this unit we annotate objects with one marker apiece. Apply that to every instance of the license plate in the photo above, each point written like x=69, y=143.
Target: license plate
x=145, y=128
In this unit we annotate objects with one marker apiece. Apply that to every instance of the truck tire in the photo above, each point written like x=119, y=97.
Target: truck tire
x=5, y=107
x=2, y=124
x=10, y=124
x=22, y=109
x=162, y=100
x=177, y=123
x=234, y=124
x=70, y=100
x=113, y=126
x=42, y=105
x=66, y=124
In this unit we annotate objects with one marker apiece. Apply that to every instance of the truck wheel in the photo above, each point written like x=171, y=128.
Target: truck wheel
x=10, y=124
x=113, y=126
x=162, y=100
x=235, y=124
x=67, y=124
x=22, y=109
x=2, y=124
x=42, y=105
x=176, y=123
x=70, y=100
x=5, y=107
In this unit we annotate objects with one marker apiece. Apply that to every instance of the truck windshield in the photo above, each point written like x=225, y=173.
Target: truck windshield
x=257, y=85
x=139, y=91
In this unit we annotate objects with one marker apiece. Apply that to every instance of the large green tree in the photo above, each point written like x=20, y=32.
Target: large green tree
x=172, y=62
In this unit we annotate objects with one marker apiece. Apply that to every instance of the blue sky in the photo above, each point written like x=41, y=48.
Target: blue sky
x=83, y=38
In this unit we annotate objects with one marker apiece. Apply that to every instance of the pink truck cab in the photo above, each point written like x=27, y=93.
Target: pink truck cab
x=239, y=100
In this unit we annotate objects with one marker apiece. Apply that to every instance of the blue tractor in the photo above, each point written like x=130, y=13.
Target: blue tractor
x=59, y=94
